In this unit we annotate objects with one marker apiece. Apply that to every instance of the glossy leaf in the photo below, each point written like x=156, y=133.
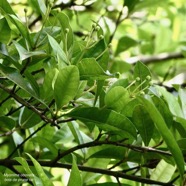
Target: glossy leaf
x=58, y=52
x=24, y=54
x=45, y=180
x=110, y=153
x=182, y=98
x=7, y=122
x=28, y=118
x=66, y=85
x=172, y=102
x=26, y=167
x=67, y=36
x=5, y=7
x=116, y=98
x=75, y=177
x=125, y=43
x=5, y=31
x=143, y=123
x=163, y=172
x=47, y=90
x=40, y=6
x=21, y=27
x=94, y=73
x=105, y=119
x=166, y=134
x=43, y=142
x=13, y=75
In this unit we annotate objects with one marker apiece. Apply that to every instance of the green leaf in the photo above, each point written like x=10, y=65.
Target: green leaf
x=5, y=31
x=182, y=99
x=21, y=27
x=172, y=102
x=43, y=142
x=90, y=69
x=125, y=43
x=7, y=122
x=28, y=118
x=66, y=85
x=5, y=7
x=117, y=97
x=165, y=132
x=75, y=177
x=110, y=153
x=163, y=172
x=143, y=123
x=58, y=52
x=141, y=71
x=45, y=180
x=105, y=119
x=47, y=91
x=24, y=54
x=26, y=167
x=13, y=75
x=131, y=4
x=40, y=6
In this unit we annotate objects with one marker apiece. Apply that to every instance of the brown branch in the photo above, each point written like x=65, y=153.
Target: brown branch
x=116, y=174
x=99, y=143
x=156, y=58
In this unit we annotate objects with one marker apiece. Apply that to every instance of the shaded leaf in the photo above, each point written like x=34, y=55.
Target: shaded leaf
x=13, y=75
x=24, y=54
x=105, y=119
x=45, y=180
x=5, y=31
x=5, y=7
x=110, y=153
x=165, y=132
x=143, y=123
x=172, y=102
x=125, y=43
x=28, y=118
x=58, y=52
x=43, y=142
x=21, y=27
x=26, y=167
x=7, y=122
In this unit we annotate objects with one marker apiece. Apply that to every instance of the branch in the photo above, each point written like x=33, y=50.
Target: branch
x=99, y=143
x=155, y=58
x=117, y=174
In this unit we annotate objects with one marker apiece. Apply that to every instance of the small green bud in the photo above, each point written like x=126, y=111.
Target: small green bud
x=109, y=45
x=138, y=79
x=117, y=74
x=142, y=93
x=97, y=28
x=148, y=78
x=94, y=25
x=67, y=30
x=101, y=37
x=150, y=83
x=25, y=10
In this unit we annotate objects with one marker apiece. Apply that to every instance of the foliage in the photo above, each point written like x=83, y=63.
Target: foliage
x=87, y=86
